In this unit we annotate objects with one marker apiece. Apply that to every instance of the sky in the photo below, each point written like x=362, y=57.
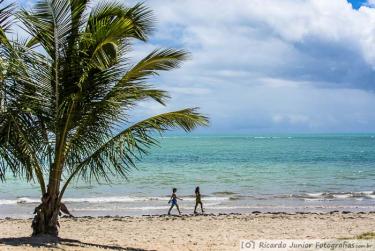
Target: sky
x=269, y=66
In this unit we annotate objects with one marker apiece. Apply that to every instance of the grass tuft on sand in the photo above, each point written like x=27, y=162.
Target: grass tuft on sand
x=366, y=236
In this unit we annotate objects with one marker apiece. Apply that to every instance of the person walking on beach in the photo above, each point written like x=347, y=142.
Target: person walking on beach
x=173, y=200
x=198, y=200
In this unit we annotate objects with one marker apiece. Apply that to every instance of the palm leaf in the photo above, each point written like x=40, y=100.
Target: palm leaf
x=6, y=13
x=158, y=60
x=139, y=18
x=50, y=23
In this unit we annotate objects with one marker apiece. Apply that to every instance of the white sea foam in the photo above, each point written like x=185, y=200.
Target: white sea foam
x=314, y=194
x=23, y=200
x=112, y=199
x=322, y=196
x=342, y=196
x=8, y=202
x=316, y=199
x=329, y=196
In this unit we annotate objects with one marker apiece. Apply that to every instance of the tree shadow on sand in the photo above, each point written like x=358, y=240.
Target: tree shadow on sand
x=54, y=242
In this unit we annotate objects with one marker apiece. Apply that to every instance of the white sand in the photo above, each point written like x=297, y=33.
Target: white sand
x=185, y=233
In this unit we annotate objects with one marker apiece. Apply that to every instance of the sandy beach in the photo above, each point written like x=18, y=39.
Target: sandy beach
x=208, y=232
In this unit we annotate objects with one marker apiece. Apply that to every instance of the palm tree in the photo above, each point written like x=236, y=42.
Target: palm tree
x=68, y=94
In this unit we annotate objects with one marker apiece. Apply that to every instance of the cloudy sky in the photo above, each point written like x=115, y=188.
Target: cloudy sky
x=270, y=65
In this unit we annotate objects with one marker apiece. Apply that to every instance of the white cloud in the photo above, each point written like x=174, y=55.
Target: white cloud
x=270, y=65
x=291, y=65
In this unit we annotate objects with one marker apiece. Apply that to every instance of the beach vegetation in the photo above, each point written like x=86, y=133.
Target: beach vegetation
x=366, y=236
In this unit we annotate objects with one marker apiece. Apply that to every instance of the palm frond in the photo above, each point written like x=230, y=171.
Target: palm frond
x=109, y=26
x=18, y=147
x=6, y=13
x=158, y=60
x=138, y=17
x=133, y=82
x=50, y=23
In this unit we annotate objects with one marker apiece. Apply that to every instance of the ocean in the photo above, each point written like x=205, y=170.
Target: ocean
x=236, y=173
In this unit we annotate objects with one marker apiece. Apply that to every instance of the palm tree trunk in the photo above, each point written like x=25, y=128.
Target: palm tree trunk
x=46, y=218
x=46, y=214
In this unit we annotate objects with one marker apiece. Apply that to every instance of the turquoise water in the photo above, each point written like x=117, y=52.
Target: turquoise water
x=235, y=173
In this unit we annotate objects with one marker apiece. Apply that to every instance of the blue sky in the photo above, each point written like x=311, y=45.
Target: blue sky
x=270, y=65
x=357, y=3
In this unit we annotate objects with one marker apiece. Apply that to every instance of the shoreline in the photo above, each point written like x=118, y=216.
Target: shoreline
x=186, y=232
x=218, y=202
x=254, y=213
